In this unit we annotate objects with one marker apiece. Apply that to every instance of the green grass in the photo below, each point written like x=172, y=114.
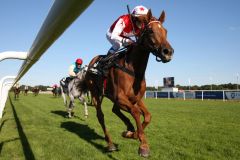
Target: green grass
x=35, y=128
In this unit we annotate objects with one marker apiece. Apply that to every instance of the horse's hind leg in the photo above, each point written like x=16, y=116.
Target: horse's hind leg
x=100, y=116
x=127, y=122
x=83, y=101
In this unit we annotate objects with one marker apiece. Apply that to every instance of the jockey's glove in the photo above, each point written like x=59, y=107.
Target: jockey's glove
x=127, y=41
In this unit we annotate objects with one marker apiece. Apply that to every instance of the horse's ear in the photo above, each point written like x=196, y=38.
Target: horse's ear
x=162, y=17
x=149, y=15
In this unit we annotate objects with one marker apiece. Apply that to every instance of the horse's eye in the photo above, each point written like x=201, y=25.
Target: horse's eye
x=150, y=31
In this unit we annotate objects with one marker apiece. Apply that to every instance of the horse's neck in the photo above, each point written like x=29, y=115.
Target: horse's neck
x=138, y=59
x=79, y=76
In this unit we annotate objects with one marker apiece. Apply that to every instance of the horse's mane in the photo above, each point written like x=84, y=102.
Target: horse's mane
x=81, y=85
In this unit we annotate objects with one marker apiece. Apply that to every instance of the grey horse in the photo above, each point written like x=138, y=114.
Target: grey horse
x=73, y=90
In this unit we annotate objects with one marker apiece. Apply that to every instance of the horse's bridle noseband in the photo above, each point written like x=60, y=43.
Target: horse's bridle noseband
x=151, y=48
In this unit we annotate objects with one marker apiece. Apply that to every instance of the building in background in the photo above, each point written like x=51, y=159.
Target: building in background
x=168, y=85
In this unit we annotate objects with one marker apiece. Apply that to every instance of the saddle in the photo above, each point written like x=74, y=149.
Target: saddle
x=105, y=62
x=64, y=83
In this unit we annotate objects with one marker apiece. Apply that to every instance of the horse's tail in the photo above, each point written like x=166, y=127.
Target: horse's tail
x=82, y=85
x=62, y=92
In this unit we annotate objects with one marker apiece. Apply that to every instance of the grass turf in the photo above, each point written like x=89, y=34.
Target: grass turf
x=36, y=128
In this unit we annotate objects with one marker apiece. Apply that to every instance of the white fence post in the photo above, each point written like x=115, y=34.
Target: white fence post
x=5, y=85
x=223, y=95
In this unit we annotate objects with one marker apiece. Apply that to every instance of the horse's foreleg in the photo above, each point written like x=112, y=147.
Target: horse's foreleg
x=64, y=99
x=144, y=147
x=85, y=109
x=127, y=122
x=71, y=106
x=136, y=113
x=146, y=114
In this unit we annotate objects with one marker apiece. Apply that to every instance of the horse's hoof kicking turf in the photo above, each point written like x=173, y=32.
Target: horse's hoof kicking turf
x=112, y=148
x=143, y=152
x=127, y=134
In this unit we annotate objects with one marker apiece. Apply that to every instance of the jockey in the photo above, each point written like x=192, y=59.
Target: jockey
x=74, y=69
x=55, y=86
x=120, y=32
x=17, y=85
x=26, y=88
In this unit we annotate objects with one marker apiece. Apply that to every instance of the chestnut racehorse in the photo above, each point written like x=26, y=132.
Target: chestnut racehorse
x=126, y=83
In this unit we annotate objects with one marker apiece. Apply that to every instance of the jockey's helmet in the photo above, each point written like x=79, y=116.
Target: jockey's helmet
x=79, y=61
x=139, y=11
x=139, y=15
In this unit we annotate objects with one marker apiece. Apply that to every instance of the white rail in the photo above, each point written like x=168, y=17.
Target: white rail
x=13, y=55
x=61, y=15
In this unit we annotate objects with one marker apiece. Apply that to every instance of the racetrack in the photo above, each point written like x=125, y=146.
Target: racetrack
x=36, y=128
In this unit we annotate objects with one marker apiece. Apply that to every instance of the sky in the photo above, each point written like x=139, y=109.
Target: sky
x=205, y=36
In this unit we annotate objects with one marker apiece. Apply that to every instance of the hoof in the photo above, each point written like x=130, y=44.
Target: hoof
x=67, y=116
x=129, y=134
x=86, y=116
x=111, y=148
x=144, y=152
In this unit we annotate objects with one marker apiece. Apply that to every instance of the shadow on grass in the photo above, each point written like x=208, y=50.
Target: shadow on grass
x=86, y=133
x=60, y=113
x=2, y=143
x=2, y=124
x=28, y=153
x=52, y=97
x=64, y=114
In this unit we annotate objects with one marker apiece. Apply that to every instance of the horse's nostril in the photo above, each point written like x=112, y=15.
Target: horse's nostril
x=165, y=51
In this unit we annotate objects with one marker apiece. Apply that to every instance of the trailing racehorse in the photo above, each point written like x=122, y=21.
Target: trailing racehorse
x=16, y=91
x=25, y=92
x=74, y=90
x=56, y=91
x=35, y=91
x=126, y=85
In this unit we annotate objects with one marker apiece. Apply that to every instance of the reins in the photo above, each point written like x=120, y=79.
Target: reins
x=151, y=49
x=126, y=70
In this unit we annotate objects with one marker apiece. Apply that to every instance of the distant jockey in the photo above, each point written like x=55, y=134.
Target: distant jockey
x=73, y=71
x=75, y=68
x=55, y=86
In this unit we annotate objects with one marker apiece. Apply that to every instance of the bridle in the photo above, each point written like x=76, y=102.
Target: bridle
x=150, y=46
